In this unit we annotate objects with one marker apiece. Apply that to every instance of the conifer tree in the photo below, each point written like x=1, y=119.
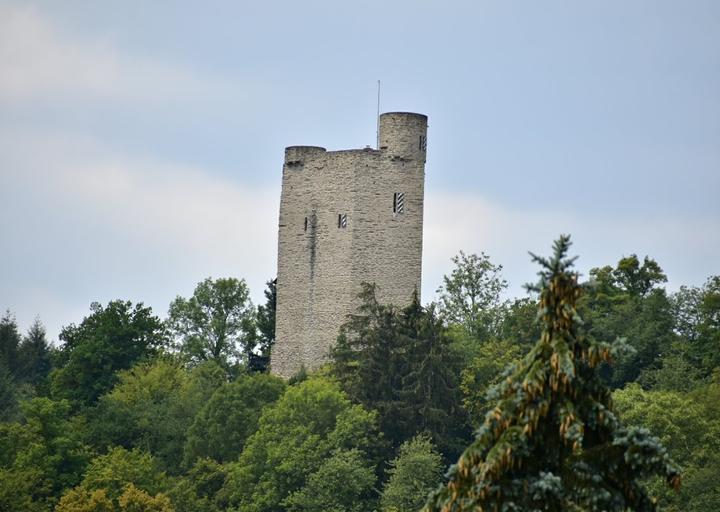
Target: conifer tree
x=399, y=362
x=259, y=358
x=553, y=441
x=430, y=388
x=266, y=318
x=34, y=355
x=9, y=342
x=370, y=362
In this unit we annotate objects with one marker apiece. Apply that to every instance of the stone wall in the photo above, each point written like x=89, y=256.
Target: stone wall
x=337, y=229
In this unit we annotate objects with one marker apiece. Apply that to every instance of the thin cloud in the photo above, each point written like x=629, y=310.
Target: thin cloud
x=474, y=224
x=37, y=60
x=152, y=201
x=98, y=225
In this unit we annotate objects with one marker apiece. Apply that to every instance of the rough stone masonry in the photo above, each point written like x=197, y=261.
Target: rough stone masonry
x=346, y=217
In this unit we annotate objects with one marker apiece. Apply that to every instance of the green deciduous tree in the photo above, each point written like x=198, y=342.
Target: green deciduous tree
x=230, y=416
x=344, y=482
x=39, y=457
x=132, y=499
x=484, y=372
x=82, y=500
x=412, y=475
x=470, y=295
x=637, y=279
x=697, y=322
x=112, y=338
x=688, y=424
x=295, y=437
x=626, y=301
x=553, y=441
x=676, y=373
x=22, y=485
x=216, y=323
x=519, y=325
x=196, y=491
x=152, y=408
x=113, y=471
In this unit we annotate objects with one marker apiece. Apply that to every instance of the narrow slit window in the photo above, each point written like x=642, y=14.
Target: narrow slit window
x=422, y=143
x=342, y=220
x=305, y=224
x=399, y=202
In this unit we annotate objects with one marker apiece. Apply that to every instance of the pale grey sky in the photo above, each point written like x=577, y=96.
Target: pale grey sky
x=141, y=143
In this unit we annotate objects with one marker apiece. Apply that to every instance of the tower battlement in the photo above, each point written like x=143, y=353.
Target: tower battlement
x=346, y=217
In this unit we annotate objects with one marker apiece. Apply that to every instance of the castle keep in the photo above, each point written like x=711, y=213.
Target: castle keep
x=346, y=217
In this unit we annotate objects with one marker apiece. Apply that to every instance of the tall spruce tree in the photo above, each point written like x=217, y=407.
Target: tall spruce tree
x=553, y=441
x=34, y=356
x=430, y=385
x=369, y=362
x=399, y=362
x=9, y=342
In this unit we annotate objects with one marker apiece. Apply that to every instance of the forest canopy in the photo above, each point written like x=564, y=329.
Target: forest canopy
x=609, y=382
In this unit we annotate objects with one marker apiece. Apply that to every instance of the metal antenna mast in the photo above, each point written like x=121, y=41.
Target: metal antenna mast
x=377, y=129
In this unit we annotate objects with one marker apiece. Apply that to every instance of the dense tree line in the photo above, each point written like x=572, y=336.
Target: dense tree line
x=134, y=413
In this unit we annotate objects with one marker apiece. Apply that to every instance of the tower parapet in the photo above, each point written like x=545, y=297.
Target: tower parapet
x=346, y=217
x=296, y=155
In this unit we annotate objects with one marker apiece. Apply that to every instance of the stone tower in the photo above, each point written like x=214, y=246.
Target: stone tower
x=346, y=217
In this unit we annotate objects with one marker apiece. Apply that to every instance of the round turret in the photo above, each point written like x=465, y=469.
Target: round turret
x=404, y=135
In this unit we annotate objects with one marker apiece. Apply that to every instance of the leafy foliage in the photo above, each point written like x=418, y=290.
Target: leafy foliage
x=40, y=457
x=120, y=481
x=484, y=372
x=676, y=373
x=230, y=416
x=119, y=467
x=697, y=313
x=132, y=499
x=295, y=437
x=152, y=408
x=688, y=424
x=519, y=324
x=344, y=482
x=82, y=500
x=412, y=475
x=197, y=491
x=112, y=338
x=470, y=295
x=625, y=301
x=553, y=441
x=216, y=323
